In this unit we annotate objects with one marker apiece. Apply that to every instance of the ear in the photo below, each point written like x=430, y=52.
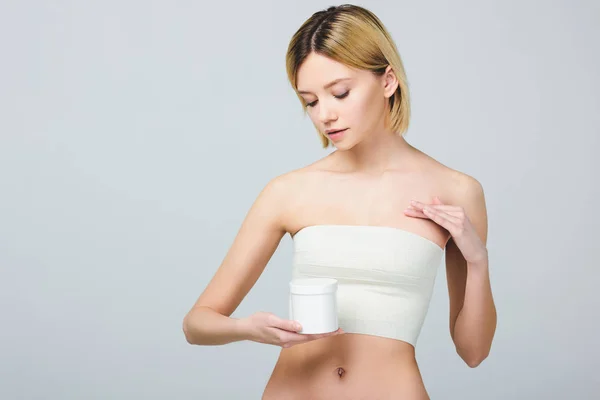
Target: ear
x=390, y=82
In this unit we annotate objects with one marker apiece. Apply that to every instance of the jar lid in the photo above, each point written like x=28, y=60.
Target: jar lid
x=313, y=285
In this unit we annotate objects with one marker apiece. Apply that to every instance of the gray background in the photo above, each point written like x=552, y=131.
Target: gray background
x=136, y=135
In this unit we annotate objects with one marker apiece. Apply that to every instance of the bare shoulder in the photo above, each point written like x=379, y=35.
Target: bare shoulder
x=277, y=200
x=253, y=246
x=466, y=188
x=458, y=186
x=300, y=192
x=466, y=191
x=280, y=191
x=289, y=184
x=470, y=196
x=255, y=242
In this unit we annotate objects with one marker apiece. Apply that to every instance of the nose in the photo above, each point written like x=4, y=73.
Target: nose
x=326, y=113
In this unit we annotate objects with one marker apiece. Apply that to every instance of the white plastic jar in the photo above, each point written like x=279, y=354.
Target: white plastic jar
x=313, y=303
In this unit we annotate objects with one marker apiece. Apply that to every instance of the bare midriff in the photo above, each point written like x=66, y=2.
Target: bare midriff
x=347, y=366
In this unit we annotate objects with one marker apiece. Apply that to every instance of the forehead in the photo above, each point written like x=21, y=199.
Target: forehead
x=316, y=71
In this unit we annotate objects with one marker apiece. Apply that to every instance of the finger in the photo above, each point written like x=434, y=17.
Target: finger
x=444, y=207
x=336, y=332
x=326, y=333
x=452, y=210
x=313, y=336
x=441, y=214
x=299, y=338
x=285, y=324
x=437, y=200
x=290, y=338
x=452, y=216
x=415, y=213
x=419, y=212
x=307, y=337
x=419, y=205
x=441, y=218
x=317, y=335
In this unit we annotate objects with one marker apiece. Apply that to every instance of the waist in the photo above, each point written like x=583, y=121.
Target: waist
x=350, y=350
x=348, y=365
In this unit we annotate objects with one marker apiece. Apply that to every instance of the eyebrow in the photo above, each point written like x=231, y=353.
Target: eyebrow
x=328, y=85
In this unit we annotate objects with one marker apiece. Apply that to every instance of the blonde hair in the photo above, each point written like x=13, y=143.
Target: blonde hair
x=353, y=36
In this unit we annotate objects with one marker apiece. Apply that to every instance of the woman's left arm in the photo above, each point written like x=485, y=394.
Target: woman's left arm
x=472, y=309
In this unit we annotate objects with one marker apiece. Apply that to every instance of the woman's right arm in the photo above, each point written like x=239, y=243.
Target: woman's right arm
x=204, y=326
x=209, y=322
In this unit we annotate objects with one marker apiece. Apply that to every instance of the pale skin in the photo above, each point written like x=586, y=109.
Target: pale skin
x=369, y=159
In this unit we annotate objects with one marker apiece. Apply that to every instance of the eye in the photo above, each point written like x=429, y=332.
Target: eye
x=341, y=96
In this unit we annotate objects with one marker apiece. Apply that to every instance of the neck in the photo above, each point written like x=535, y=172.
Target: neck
x=377, y=154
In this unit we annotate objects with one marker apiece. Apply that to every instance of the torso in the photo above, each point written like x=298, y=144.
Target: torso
x=355, y=366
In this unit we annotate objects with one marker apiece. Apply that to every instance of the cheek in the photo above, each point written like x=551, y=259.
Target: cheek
x=362, y=109
x=356, y=107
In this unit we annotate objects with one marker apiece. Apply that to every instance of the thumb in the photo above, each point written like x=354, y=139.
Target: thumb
x=295, y=326
x=288, y=325
x=436, y=200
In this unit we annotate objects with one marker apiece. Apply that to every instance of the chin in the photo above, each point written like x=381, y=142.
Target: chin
x=343, y=145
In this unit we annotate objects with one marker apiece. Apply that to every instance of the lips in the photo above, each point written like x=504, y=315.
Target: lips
x=336, y=131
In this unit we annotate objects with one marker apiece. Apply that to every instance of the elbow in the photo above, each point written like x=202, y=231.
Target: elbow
x=187, y=331
x=473, y=360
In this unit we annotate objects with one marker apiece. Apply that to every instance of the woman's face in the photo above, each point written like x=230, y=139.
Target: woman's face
x=340, y=97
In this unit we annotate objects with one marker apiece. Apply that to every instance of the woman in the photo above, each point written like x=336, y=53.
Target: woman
x=377, y=214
